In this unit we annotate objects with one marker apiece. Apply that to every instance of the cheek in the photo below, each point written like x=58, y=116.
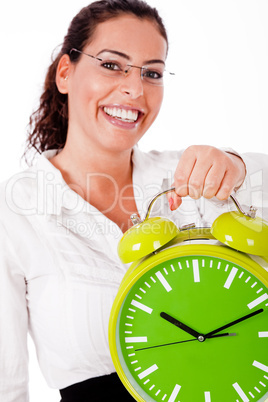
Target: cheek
x=91, y=90
x=155, y=101
x=85, y=96
x=84, y=85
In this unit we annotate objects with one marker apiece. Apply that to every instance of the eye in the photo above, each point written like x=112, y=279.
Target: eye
x=111, y=65
x=152, y=74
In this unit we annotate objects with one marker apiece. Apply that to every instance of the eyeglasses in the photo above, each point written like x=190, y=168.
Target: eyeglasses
x=116, y=67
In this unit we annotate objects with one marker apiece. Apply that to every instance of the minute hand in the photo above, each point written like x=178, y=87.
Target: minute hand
x=245, y=317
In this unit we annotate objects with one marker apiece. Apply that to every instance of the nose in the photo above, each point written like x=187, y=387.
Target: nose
x=132, y=84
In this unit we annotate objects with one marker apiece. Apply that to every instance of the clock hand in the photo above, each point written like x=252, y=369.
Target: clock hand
x=187, y=340
x=245, y=317
x=182, y=326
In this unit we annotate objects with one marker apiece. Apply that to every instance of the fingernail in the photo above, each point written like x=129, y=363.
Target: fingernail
x=171, y=202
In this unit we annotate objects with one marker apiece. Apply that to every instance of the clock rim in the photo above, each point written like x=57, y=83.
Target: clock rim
x=136, y=270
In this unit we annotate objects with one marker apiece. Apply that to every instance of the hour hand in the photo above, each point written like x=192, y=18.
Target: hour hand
x=181, y=325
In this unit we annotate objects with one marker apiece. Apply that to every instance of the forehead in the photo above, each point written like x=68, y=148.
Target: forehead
x=138, y=38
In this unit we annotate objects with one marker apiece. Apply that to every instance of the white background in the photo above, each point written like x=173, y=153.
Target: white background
x=218, y=50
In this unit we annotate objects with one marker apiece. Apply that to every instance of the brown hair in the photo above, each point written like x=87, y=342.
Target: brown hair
x=48, y=125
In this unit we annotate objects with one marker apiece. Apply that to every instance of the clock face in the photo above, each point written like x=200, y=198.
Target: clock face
x=170, y=340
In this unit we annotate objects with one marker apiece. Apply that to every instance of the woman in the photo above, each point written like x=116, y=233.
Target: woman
x=61, y=219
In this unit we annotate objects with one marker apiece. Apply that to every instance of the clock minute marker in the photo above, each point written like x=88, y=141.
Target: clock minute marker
x=174, y=393
x=230, y=278
x=135, y=339
x=196, y=271
x=263, y=334
x=240, y=392
x=258, y=301
x=207, y=397
x=163, y=281
x=141, y=306
x=260, y=366
x=153, y=280
x=148, y=371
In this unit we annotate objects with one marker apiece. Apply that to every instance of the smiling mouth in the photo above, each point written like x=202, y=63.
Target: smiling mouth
x=128, y=116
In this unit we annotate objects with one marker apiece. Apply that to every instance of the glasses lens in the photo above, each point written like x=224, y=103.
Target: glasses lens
x=153, y=74
x=111, y=67
x=117, y=67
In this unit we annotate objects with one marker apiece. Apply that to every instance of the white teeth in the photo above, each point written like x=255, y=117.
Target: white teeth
x=129, y=116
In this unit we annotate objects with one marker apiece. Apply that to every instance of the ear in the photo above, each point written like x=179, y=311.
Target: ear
x=62, y=74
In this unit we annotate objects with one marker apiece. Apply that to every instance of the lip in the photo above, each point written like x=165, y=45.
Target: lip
x=120, y=123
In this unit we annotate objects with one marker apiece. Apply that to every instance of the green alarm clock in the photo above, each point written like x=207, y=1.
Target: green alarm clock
x=190, y=320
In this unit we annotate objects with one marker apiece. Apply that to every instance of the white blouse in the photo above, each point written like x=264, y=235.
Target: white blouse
x=59, y=269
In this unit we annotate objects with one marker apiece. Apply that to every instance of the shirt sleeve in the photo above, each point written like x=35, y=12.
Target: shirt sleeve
x=254, y=191
x=13, y=325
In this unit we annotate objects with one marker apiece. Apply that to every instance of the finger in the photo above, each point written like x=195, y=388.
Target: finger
x=198, y=177
x=227, y=185
x=183, y=173
x=213, y=181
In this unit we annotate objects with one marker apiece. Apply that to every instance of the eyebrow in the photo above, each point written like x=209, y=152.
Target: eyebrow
x=153, y=61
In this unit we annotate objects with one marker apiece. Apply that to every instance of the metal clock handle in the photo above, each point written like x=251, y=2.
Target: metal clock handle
x=252, y=210
x=135, y=218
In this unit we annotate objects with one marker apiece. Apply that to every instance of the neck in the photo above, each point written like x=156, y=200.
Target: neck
x=103, y=167
x=102, y=178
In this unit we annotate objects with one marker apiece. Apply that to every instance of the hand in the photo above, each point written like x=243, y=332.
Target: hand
x=187, y=340
x=202, y=337
x=245, y=317
x=179, y=324
x=206, y=171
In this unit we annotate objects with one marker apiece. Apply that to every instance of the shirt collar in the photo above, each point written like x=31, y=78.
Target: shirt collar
x=52, y=191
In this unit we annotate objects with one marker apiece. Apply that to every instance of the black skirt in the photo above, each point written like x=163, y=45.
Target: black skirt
x=98, y=389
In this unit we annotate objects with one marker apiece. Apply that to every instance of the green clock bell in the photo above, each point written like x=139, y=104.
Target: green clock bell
x=190, y=320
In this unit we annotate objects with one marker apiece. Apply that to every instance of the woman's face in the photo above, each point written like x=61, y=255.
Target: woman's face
x=114, y=112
